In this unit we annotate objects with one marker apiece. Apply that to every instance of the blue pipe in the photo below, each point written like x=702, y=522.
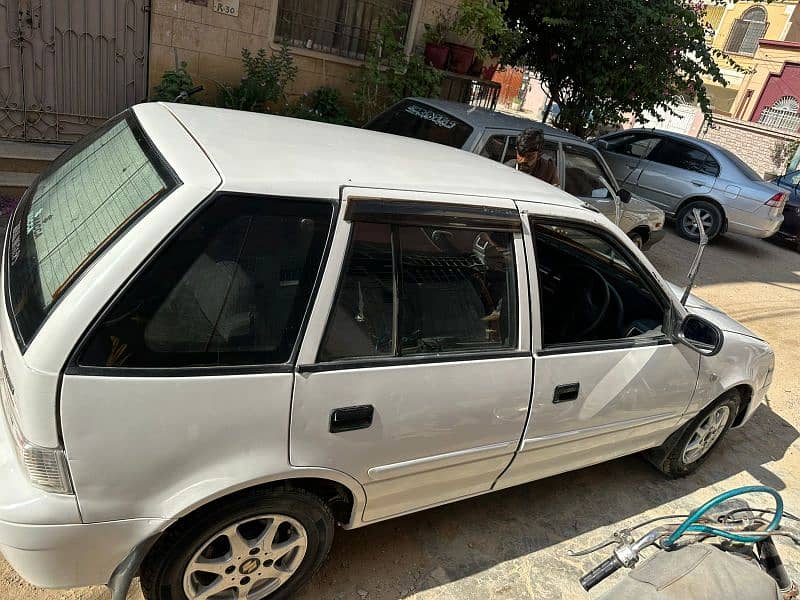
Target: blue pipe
x=690, y=524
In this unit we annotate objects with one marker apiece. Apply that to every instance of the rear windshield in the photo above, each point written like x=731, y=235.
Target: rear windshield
x=422, y=122
x=746, y=170
x=90, y=194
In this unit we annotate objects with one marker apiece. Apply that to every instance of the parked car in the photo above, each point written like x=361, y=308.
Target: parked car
x=582, y=171
x=219, y=340
x=790, y=229
x=679, y=173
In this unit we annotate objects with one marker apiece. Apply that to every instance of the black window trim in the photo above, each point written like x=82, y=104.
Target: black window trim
x=164, y=169
x=635, y=133
x=72, y=367
x=397, y=359
x=597, y=345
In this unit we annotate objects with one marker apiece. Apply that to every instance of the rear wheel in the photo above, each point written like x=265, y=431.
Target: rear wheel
x=696, y=440
x=262, y=545
x=710, y=215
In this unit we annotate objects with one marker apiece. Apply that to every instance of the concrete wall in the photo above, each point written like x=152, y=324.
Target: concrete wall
x=211, y=43
x=764, y=149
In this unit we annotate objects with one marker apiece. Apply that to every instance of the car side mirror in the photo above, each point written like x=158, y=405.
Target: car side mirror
x=624, y=196
x=700, y=335
x=601, y=144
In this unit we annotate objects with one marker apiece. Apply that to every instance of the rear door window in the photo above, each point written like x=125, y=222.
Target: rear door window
x=685, y=156
x=231, y=289
x=422, y=122
x=416, y=290
x=90, y=195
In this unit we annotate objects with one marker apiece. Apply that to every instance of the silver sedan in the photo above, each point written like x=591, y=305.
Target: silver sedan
x=678, y=173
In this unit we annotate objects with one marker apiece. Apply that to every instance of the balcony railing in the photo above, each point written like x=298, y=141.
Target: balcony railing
x=780, y=119
x=470, y=90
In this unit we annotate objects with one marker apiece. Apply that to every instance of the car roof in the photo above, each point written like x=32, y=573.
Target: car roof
x=490, y=119
x=665, y=133
x=268, y=154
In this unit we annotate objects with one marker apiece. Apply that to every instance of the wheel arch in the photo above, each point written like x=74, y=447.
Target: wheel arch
x=642, y=230
x=710, y=200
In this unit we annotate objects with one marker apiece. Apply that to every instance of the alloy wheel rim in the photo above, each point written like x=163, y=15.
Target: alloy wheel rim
x=247, y=560
x=706, y=434
x=706, y=218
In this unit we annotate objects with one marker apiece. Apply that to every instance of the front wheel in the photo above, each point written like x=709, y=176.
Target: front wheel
x=637, y=240
x=697, y=439
x=710, y=215
x=261, y=545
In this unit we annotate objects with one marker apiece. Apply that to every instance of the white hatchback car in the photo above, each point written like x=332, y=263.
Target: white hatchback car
x=222, y=333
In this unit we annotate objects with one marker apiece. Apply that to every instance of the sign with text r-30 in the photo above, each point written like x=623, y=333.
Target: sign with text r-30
x=226, y=7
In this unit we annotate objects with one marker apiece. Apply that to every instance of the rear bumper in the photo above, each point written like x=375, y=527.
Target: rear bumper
x=65, y=556
x=654, y=237
x=763, y=230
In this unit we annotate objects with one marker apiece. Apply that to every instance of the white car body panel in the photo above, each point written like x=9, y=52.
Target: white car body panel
x=145, y=451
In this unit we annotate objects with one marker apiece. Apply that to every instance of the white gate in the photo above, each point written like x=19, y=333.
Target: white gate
x=679, y=122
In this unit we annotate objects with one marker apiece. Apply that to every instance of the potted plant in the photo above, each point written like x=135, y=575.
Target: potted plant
x=436, y=49
x=478, y=22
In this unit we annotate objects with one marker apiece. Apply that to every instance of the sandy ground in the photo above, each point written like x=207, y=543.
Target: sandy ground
x=512, y=544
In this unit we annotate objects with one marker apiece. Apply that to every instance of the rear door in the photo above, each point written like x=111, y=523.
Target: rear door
x=415, y=372
x=675, y=170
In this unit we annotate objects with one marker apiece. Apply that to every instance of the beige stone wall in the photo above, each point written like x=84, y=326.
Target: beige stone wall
x=211, y=43
x=762, y=148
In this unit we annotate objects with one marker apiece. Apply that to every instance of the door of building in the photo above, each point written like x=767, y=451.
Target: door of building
x=68, y=65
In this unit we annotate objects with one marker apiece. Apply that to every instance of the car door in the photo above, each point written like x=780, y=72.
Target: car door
x=585, y=178
x=676, y=170
x=624, y=152
x=614, y=389
x=415, y=372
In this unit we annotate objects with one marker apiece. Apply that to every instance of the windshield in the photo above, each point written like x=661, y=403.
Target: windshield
x=741, y=165
x=88, y=196
x=422, y=122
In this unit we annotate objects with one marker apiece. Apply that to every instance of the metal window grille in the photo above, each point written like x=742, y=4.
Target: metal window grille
x=780, y=119
x=744, y=36
x=341, y=27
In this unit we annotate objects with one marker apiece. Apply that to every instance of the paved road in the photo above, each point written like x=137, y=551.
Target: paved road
x=513, y=544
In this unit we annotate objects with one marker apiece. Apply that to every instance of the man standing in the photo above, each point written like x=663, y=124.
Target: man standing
x=530, y=145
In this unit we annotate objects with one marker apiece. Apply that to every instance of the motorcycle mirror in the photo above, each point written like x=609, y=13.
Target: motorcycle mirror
x=697, y=257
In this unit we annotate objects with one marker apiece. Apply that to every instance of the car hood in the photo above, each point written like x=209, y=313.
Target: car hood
x=703, y=309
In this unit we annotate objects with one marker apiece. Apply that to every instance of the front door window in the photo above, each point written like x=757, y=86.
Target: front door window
x=591, y=291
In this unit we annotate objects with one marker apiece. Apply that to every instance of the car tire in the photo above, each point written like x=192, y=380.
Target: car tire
x=676, y=457
x=295, y=519
x=711, y=215
x=637, y=239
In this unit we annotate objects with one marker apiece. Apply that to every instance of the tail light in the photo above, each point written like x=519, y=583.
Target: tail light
x=777, y=200
x=46, y=468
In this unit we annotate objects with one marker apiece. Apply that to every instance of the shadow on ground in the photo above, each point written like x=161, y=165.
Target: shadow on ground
x=459, y=540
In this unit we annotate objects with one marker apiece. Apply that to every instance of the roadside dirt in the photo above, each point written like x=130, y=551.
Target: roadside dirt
x=512, y=544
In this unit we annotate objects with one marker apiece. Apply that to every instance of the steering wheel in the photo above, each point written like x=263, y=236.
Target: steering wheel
x=585, y=297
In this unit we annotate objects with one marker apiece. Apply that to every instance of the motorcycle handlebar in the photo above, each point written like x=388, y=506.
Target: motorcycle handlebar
x=600, y=572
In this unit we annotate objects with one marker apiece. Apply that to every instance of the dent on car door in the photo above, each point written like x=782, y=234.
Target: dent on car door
x=608, y=379
x=416, y=371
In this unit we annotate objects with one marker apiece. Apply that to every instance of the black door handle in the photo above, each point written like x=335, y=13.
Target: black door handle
x=351, y=417
x=566, y=392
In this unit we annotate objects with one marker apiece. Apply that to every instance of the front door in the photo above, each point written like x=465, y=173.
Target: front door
x=415, y=372
x=608, y=379
x=66, y=66
x=585, y=178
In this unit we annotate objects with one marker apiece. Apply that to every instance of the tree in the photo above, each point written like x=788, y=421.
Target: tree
x=601, y=59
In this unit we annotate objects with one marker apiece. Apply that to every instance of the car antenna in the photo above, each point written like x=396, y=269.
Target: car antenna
x=697, y=257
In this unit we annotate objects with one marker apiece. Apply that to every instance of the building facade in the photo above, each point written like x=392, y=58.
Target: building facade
x=736, y=28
